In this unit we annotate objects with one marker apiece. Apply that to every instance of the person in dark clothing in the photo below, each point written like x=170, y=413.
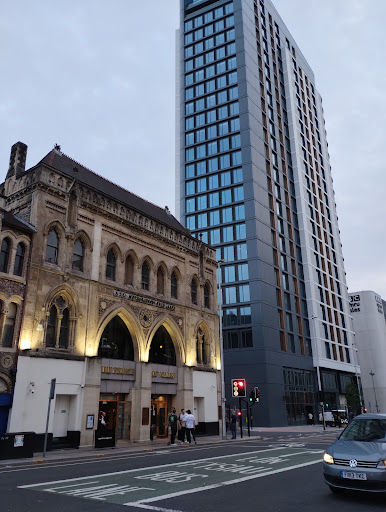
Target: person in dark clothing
x=233, y=424
x=173, y=424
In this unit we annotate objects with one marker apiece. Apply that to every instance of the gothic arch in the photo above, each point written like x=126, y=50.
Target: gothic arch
x=130, y=322
x=58, y=225
x=175, y=334
x=133, y=255
x=68, y=294
x=164, y=268
x=205, y=349
x=84, y=238
x=115, y=248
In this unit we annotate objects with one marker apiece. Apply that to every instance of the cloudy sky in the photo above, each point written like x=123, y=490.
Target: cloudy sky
x=98, y=78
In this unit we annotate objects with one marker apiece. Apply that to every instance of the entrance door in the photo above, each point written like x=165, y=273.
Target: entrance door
x=62, y=413
x=159, y=414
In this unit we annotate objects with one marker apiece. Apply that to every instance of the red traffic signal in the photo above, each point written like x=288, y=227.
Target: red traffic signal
x=238, y=413
x=239, y=388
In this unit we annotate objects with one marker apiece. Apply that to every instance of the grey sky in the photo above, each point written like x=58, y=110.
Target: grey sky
x=98, y=78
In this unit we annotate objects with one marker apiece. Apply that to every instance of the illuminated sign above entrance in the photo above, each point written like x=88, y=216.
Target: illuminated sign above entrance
x=144, y=300
x=120, y=371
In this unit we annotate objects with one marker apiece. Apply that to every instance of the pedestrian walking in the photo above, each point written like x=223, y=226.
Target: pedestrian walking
x=182, y=430
x=233, y=424
x=310, y=418
x=173, y=424
x=190, y=426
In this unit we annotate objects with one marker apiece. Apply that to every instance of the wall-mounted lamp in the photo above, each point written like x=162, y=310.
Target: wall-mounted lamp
x=31, y=387
x=25, y=345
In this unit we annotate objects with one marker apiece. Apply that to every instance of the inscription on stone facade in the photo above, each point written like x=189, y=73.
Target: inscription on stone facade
x=144, y=300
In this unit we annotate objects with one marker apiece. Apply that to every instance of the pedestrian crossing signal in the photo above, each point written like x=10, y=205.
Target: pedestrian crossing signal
x=238, y=388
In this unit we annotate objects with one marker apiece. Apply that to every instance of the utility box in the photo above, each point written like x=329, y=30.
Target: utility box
x=17, y=445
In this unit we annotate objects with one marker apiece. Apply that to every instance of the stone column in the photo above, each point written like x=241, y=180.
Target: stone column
x=141, y=403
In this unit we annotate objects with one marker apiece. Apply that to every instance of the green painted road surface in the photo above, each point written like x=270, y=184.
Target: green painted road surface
x=141, y=487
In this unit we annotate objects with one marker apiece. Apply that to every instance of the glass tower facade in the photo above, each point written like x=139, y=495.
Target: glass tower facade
x=254, y=181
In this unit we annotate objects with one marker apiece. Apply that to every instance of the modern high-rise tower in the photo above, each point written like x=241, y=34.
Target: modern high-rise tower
x=254, y=181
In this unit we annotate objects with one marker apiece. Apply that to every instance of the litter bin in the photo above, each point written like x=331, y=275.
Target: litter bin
x=17, y=445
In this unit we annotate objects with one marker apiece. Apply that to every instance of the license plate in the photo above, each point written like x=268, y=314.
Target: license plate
x=351, y=475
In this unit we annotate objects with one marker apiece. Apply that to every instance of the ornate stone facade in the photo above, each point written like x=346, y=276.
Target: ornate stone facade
x=115, y=282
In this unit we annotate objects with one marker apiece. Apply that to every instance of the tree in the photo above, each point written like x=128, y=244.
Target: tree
x=353, y=398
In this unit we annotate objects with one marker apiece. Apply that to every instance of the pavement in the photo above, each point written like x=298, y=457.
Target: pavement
x=127, y=447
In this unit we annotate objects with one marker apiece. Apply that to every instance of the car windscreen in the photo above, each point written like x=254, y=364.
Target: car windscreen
x=365, y=430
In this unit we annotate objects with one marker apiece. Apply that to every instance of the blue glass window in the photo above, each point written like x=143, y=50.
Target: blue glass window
x=210, y=86
x=200, y=135
x=234, y=109
x=241, y=232
x=213, y=182
x=204, y=237
x=226, y=196
x=235, y=124
x=214, y=199
x=190, y=188
x=212, y=132
x=222, y=113
x=199, y=47
x=189, y=123
x=219, y=25
x=198, y=34
x=202, y=220
x=200, y=75
x=227, y=215
x=211, y=101
x=189, y=155
x=201, y=151
x=215, y=236
x=238, y=193
x=200, y=104
x=208, y=16
x=241, y=250
x=229, y=274
x=191, y=222
x=190, y=205
x=209, y=43
x=230, y=294
x=228, y=8
x=210, y=71
x=236, y=158
x=243, y=273
x=236, y=141
x=231, y=34
x=189, y=139
x=199, y=61
x=231, y=48
x=221, y=67
x=188, y=25
x=218, y=13
x=214, y=217
x=225, y=179
x=213, y=165
x=188, y=65
x=189, y=93
x=189, y=171
x=230, y=21
x=188, y=38
x=212, y=148
x=220, y=39
x=233, y=93
x=225, y=161
x=209, y=58
x=245, y=315
x=232, y=78
x=244, y=294
x=200, y=119
x=232, y=64
x=201, y=168
x=220, y=53
x=224, y=146
x=211, y=116
x=200, y=90
x=189, y=108
x=221, y=82
x=239, y=212
x=202, y=203
x=189, y=79
x=237, y=176
x=208, y=30
x=229, y=253
x=201, y=185
x=198, y=22
x=223, y=128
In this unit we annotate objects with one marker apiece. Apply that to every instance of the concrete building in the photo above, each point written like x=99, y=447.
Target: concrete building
x=121, y=309
x=254, y=180
x=369, y=317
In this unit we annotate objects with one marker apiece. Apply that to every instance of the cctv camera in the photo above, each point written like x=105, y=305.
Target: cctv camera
x=32, y=391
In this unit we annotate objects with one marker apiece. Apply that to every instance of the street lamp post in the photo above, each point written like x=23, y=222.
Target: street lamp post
x=375, y=394
x=223, y=421
x=355, y=353
x=313, y=318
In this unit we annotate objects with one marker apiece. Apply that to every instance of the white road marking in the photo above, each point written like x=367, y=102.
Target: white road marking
x=214, y=486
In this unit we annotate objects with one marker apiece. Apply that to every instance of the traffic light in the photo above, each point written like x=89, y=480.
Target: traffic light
x=254, y=395
x=238, y=388
x=238, y=413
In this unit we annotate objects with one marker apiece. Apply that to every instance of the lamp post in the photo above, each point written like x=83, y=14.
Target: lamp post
x=355, y=353
x=223, y=421
x=375, y=394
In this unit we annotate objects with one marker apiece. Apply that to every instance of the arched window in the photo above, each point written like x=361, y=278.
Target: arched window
x=78, y=255
x=58, y=325
x=202, y=348
x=174, y=286
x=160, y=281
x=116, y=341
x=9, y=325
x=111, y=263
x=51, y=328
x=145, y=276
x=193, y=291
x=4, y=254
x=206, y=296
x=52, y=248
x=162, y=349
x=19, y=260
x=129, y=271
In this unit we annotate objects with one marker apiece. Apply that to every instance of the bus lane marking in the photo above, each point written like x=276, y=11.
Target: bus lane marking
x=144, y=486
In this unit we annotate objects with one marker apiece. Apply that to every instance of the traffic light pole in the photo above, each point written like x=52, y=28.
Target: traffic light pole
x=241, y=418
x=249, y=419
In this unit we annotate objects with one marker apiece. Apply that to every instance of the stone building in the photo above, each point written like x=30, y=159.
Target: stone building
x=15, y=250
x=121, y=308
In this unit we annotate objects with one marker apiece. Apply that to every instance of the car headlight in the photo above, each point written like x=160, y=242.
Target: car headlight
x=382, y=464
x=329, y=459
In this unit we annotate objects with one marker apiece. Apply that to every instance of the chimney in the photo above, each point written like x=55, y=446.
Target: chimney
x=17, y=159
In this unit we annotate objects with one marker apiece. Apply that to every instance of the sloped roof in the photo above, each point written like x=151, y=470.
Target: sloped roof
x=75, y=170
x=16, y=222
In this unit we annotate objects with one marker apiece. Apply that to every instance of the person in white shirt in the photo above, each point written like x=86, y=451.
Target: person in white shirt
x=190, y=426
x=182, y=430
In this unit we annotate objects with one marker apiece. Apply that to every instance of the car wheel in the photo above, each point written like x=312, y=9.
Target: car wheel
x=336, y=490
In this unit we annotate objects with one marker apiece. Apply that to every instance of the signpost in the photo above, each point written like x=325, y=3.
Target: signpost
x=51, y=396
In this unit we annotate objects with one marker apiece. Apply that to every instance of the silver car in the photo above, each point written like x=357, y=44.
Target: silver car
x=357, y=459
